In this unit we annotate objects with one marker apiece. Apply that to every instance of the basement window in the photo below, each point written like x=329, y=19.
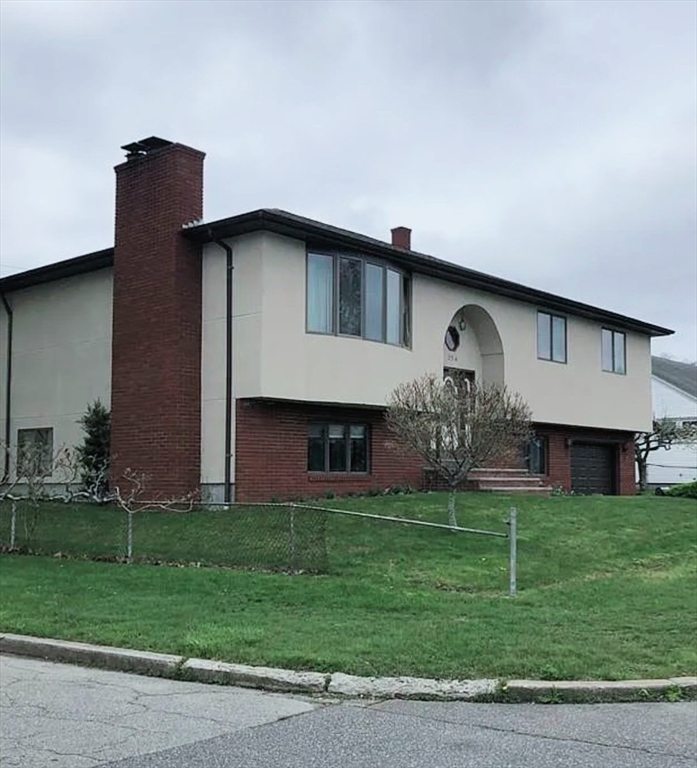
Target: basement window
x=337, y=448
x=34, y=452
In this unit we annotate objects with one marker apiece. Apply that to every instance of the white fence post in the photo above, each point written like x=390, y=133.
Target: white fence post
x=13, y=523
x=513, y=537
x=129, y=537
x=293, y=541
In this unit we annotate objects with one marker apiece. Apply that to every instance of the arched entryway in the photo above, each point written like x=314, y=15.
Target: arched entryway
x=472, y=348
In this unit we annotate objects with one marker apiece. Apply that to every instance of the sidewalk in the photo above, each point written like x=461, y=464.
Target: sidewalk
x=342, y=685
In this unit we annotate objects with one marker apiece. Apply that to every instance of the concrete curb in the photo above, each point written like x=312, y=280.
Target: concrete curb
x=346, y=686
x=102, y=656
x=419, y=688
x=599, y=691
x=268, y=678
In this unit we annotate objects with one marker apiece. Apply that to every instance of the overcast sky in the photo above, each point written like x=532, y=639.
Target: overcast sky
x=551, y=143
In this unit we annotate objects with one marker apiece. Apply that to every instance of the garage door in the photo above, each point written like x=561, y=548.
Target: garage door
x=593, y=468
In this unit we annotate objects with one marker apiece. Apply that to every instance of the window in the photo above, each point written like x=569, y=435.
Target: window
x=536, y=455
x=452, y=338
x=351, y=296
x=320, y=293
x=551, y=337
x=34, y=452
x=374, y=301
x=393, y=306
x=614, y=354
x=350, y=292
x=337, y=448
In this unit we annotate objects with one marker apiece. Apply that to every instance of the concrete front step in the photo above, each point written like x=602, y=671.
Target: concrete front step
x=484, y=482
x=499, y=471
x=502, y=480
x=507, y=480
x=540, y=490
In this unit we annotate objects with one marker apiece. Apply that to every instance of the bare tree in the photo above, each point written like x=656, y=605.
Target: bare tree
x=130, y=495
x=665, y=433
x=457, y=429
x=36, y=475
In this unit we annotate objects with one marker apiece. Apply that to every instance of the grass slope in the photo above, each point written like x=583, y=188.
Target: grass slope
x=608, y=589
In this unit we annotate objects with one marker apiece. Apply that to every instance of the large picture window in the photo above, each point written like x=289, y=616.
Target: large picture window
x=337, y=448
x=354, y=296
x=614, y=352
x=551, y=337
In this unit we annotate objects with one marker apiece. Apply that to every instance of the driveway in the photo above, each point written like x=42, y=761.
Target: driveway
x=60, y=716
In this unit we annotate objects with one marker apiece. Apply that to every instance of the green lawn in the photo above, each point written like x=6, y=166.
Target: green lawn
x=608, y=589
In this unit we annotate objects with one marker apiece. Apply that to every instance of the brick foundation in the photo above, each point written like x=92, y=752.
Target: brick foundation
x=271, y=453
x=156, y=343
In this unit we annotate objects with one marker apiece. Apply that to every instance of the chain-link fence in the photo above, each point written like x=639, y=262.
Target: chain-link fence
x=298, y=538
x=264, y=536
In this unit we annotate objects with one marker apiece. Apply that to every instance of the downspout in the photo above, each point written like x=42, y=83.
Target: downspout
x=8, y=385
x=227, y=489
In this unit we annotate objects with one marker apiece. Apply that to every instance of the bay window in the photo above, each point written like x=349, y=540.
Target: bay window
x=354, y=296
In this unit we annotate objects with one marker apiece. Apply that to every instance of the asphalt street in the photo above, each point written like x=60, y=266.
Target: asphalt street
x=61, y=716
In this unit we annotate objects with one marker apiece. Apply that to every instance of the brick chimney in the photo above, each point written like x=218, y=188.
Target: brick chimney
x=156, y=337
x=401, y=238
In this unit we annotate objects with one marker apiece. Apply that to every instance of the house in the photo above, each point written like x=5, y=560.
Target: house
x=251, y=357
x=674, y=393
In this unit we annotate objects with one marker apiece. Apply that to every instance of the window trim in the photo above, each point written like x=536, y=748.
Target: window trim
x=324, y=426
x=552, y=316
x=613, y=333
x=405, y=303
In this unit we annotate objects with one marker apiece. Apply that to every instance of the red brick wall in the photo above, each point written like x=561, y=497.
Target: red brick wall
x=271, y=453
x=156, y=352
x=559, y=439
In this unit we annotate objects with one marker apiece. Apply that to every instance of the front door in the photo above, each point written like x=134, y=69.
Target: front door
x=460, y=378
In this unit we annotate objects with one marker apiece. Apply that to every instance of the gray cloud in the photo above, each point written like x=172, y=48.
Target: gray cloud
x=551, y=143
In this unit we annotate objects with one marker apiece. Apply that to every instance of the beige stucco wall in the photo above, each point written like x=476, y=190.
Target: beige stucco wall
x=247, y=306
x=61, y=354
x=301, y=366
x=62, y=351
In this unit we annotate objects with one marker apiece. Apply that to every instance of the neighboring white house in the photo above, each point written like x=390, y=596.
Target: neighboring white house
x=674, y=392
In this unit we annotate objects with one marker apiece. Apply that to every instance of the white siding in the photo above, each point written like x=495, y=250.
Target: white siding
x=672, y=402
x=679, y=464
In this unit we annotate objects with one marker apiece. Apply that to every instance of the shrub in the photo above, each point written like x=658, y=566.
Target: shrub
x=93, y=454
x=685, y=490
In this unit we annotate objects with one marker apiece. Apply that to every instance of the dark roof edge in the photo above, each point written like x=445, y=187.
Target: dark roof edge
x=316, y=232
x=291, y=225
x=677, y=375
x=89, y=262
